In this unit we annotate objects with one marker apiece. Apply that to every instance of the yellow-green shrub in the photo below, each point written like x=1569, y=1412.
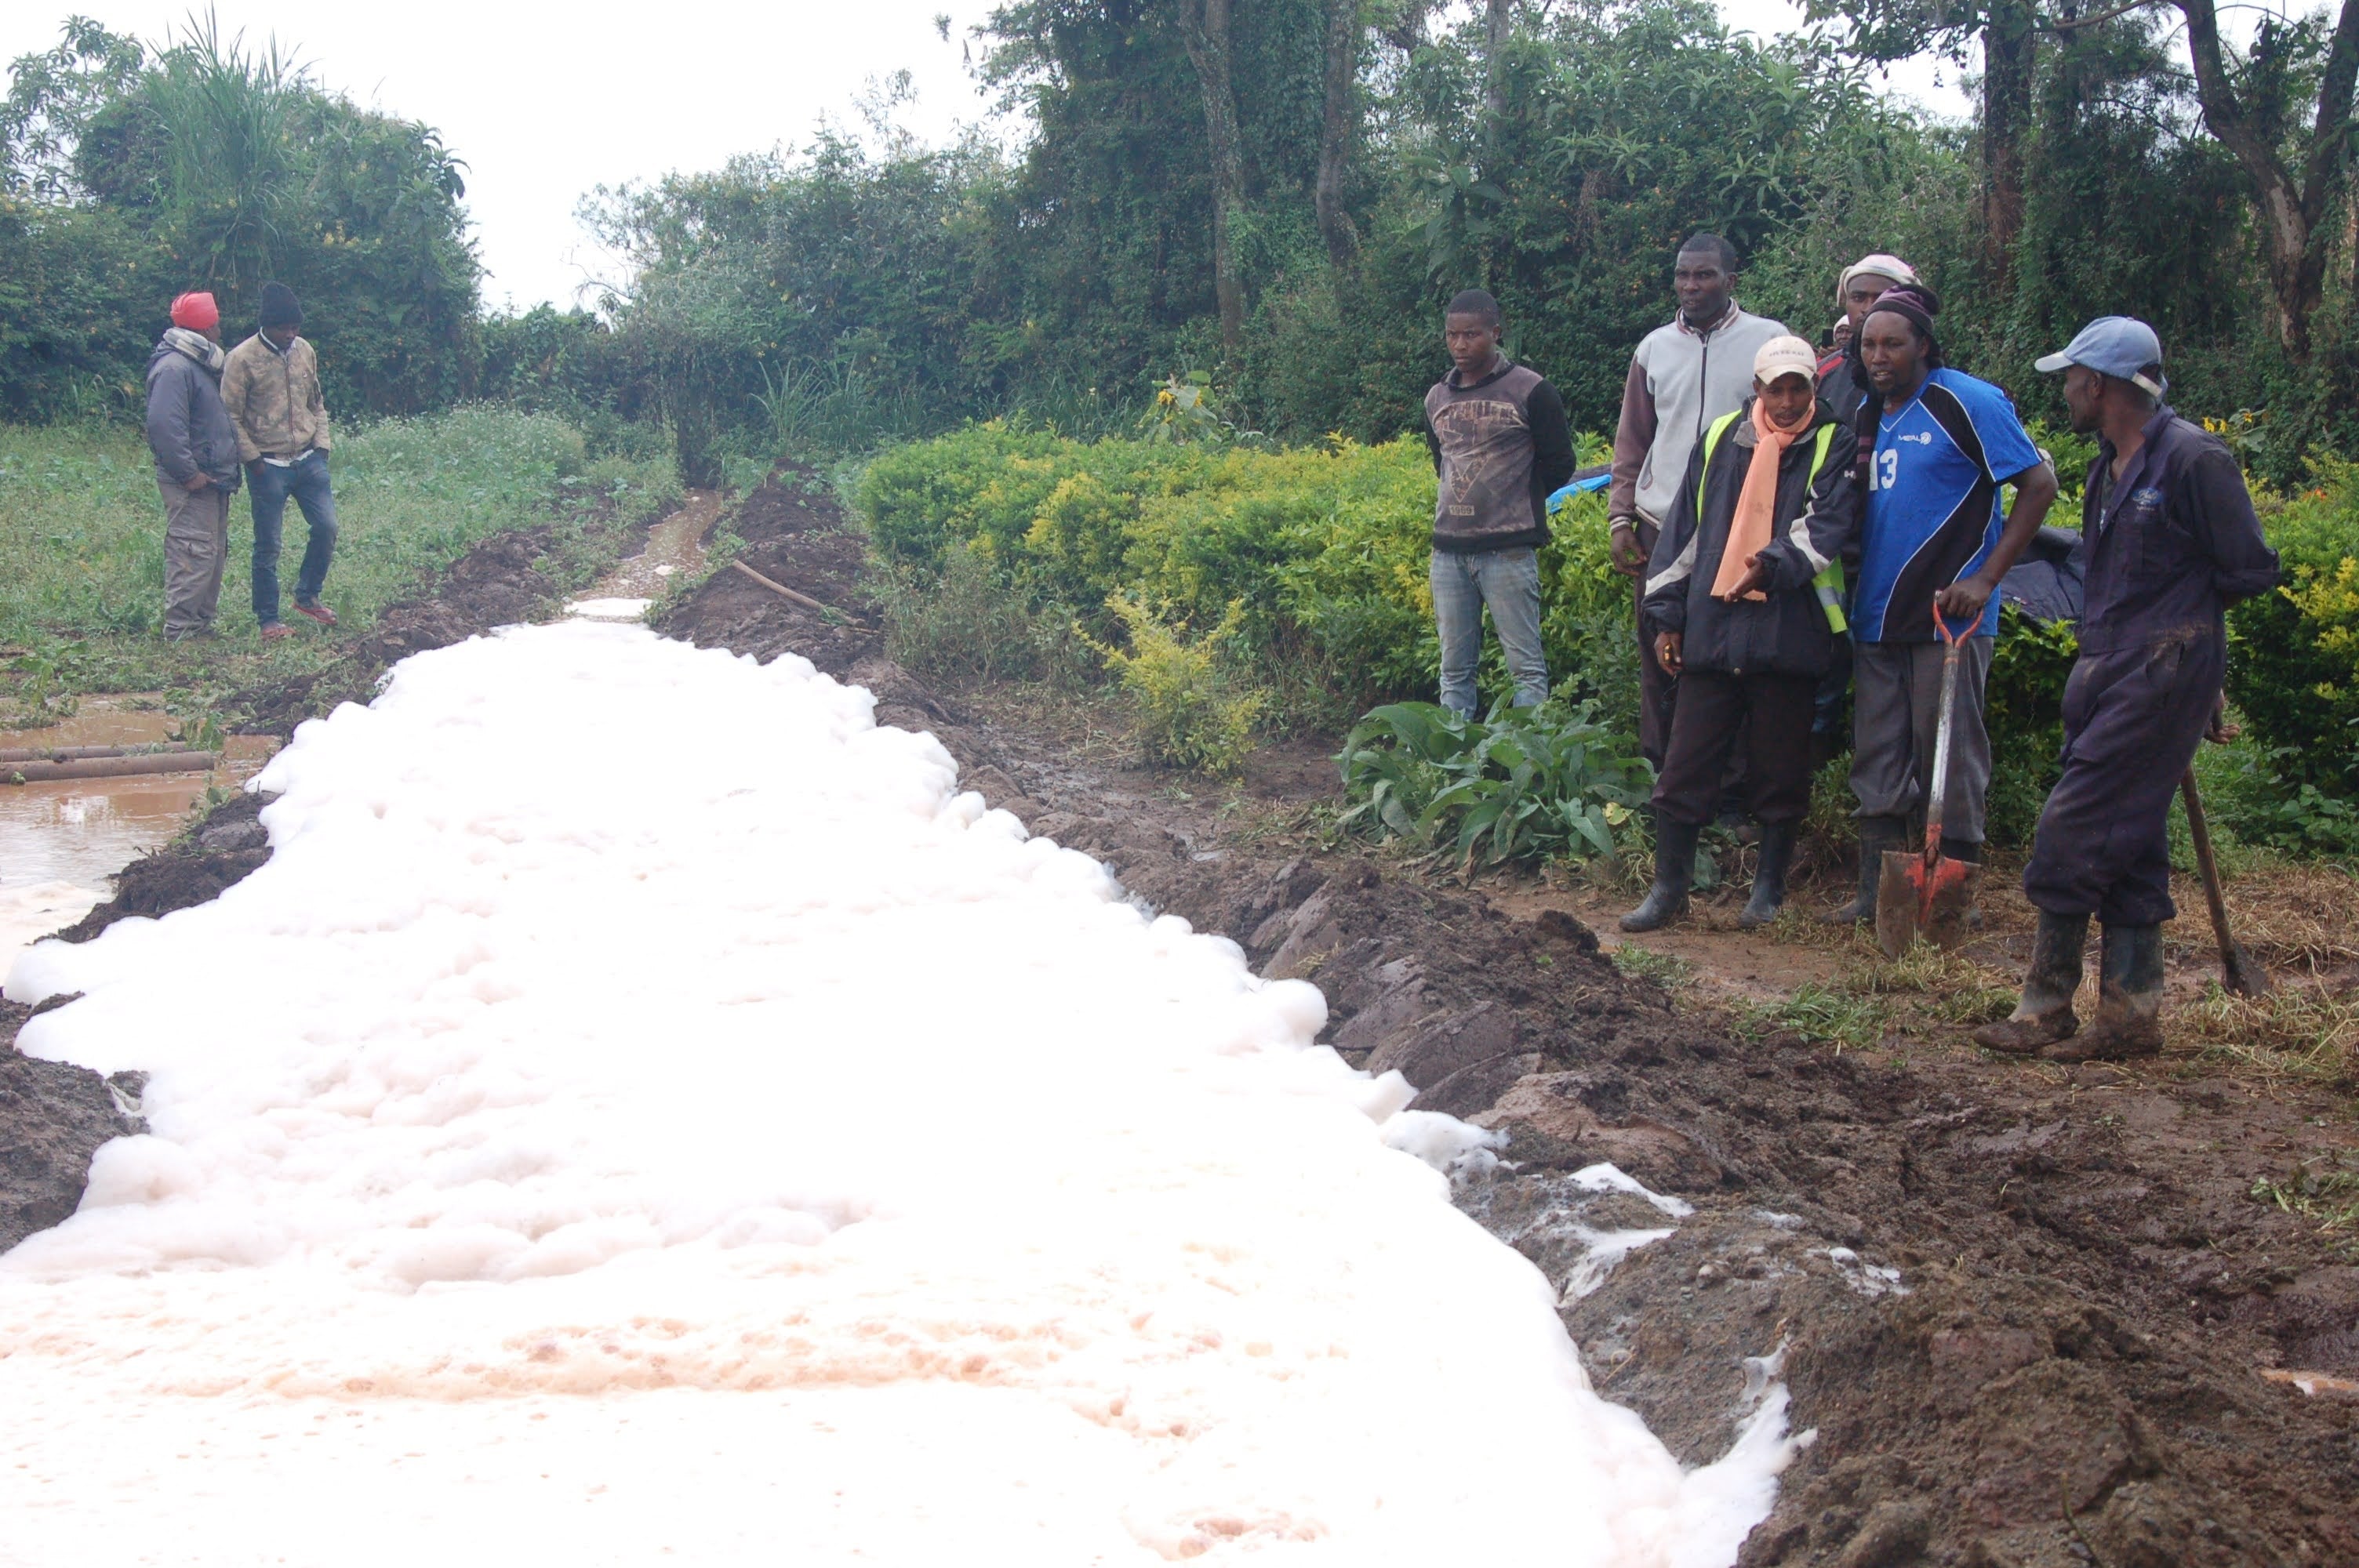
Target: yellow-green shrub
x=2295, y=673
x=1189, y=715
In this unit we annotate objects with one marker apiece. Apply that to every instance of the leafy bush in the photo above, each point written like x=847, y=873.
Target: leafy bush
x=1528, y=784
x=1319, y=552
x=1189, y=716
x=2296, y=672
x=2024, y=710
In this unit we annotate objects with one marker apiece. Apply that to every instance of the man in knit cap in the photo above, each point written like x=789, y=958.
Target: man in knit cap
x=271, y=387
x=1842, y=383
x=1931, y=555
x=1685, y=374
x=196, y=463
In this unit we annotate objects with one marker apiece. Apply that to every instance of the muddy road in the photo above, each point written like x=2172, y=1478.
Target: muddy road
x=2034, y=1315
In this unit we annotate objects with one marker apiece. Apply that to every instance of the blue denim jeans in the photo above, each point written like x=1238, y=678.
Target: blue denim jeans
x=270, y=486
x=1509, y=583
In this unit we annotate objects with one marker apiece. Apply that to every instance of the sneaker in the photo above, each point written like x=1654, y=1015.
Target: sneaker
x=276, y=630
x=317, y=612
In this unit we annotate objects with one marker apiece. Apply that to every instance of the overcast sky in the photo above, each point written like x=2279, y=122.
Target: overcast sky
x=545, y=103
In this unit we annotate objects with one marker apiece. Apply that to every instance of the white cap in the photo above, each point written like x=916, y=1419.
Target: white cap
x=1786, y=356
x=1877, y=265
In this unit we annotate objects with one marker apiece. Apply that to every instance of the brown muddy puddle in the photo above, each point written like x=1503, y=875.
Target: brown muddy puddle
x=60, y=842
x=674, y=548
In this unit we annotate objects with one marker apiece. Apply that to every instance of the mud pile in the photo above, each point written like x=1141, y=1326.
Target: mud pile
x=2028, y=1314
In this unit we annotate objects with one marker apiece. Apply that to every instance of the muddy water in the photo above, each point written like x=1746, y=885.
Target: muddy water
x=674, y=548
x=60, y=842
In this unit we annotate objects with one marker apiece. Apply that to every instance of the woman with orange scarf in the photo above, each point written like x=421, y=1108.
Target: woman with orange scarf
x=1768, y=505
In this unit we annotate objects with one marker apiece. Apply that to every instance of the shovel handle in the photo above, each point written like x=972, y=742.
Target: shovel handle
x=2198, y=829
x=1937, y=793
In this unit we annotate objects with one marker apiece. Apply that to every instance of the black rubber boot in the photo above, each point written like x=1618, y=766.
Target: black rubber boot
x=1675, y=853
x=2129, y=1001
x=1877, y=834
x=1971, y=854
x=1769, y=877
x=2045, y=1015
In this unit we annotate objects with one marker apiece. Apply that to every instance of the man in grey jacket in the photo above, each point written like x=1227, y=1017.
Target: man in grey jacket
x=196, y=463
x=1685, y=376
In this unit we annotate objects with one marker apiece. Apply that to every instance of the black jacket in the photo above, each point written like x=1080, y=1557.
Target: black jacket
x=1813, y=523
x=188, y=428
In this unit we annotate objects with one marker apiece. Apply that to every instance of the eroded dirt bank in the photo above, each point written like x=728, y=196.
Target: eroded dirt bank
x=2027, y=1312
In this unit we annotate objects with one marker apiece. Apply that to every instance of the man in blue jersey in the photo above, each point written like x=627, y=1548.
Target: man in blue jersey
x=1944, y=445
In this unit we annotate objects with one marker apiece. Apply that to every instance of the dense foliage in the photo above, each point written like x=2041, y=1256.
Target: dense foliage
x=129, y=173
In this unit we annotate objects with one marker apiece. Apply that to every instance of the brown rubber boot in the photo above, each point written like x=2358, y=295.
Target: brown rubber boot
x=2130, y=1001
x=2045, y=1015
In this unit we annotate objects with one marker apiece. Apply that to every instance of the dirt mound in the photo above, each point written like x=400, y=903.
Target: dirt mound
x=796, y=535
x=53, y=1117
x=2027, y=1313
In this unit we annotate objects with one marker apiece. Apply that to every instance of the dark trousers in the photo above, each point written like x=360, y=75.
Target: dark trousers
x=1656, y=687
x=306, y=482
x=1769, y=714
x=2132, y=719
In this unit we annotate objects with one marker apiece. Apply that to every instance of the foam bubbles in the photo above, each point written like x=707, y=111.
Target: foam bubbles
x=644, y=1107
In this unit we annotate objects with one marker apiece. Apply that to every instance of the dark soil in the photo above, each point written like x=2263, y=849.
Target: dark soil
x=53, y=1117
x=2025, y=1310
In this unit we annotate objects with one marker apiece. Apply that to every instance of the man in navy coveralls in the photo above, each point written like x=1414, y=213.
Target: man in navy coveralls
x=2171, y=542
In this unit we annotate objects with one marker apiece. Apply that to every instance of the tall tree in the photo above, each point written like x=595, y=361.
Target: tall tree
x=1204, y=30
x=1339, y=130
x=2296, y=171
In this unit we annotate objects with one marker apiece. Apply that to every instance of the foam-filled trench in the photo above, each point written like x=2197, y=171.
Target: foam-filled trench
x=643, y=1106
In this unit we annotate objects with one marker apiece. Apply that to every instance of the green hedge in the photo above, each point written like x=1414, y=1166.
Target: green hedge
x=2295, y=671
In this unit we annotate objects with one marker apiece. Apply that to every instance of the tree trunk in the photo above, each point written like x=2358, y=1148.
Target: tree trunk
x=1204, y=29
x=1494, y=67
x=2293, y=204
x=2007, y=76
x=1339, y=130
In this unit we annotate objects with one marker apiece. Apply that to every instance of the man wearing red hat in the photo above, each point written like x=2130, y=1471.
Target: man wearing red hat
x=197, y=468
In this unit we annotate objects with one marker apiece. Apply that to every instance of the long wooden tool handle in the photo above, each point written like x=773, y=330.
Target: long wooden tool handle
x=2200, y=830
x=805, y=600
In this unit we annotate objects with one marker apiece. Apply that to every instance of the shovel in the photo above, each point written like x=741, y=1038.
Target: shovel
x=2238, y=972
x=1928, y=894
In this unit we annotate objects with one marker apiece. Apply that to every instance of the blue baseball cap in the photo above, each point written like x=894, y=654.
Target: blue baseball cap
x=2112, y=345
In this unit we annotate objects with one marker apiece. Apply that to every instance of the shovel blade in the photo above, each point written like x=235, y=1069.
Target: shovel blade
x=1908, y=906
x=2240, y=974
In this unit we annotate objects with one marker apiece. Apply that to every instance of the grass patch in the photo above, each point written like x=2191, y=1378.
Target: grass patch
x=1668, y=970
x=1924, y=990
x=82, y=553
x=2298, y=1032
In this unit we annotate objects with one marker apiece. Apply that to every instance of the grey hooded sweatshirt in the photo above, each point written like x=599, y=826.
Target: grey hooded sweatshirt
x=188, y=428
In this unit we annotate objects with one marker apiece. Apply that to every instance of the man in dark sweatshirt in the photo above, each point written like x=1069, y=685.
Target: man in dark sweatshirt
x=1500, y=446
x=196, y=463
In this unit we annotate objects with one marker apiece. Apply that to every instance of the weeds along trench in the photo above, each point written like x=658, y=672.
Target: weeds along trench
x=2026, y=1317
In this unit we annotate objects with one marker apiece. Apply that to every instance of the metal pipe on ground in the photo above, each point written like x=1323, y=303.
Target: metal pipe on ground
x=72, y=754
x=110, y=767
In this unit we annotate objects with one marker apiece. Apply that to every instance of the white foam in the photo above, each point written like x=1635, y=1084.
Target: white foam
x=609, y=609
x=750, y=1148
x=31, y=911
